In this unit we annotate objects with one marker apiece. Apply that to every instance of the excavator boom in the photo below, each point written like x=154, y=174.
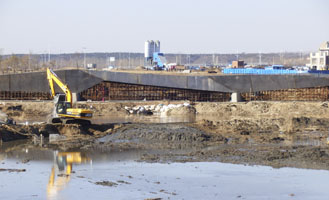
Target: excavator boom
x=52, y=77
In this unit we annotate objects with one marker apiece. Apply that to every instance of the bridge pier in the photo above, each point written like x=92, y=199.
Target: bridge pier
x=235, y=97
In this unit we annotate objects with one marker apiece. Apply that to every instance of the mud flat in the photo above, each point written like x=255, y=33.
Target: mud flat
x=278, y=134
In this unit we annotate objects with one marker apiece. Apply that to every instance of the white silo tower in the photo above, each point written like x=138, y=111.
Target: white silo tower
x=152, y=48
x=157, y=46
x=147, y=49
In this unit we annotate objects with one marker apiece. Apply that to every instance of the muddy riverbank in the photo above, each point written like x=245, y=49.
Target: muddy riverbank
x=278, y=134
x=184, y=142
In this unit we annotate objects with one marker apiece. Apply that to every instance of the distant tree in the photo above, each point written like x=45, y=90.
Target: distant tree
x=12, y=63
x=76, y=59
x=52, y=64
x=1, y=59
x=24, y=62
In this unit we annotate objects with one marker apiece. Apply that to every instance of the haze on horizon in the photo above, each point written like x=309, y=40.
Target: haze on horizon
x=184, y=26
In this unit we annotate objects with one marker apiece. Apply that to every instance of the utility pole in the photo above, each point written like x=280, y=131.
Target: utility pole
x=84, y=57
x=29, y=60
x=48, y=55
x=180, y=59
x=45, y=58
x=1, y=50
x=188, y=59
x=60, y=59
x=129, y=60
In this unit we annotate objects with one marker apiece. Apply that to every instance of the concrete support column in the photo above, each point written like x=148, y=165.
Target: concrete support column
x=75, y=97
x=235, y=97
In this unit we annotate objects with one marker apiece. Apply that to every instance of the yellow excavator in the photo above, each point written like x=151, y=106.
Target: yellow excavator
x=63, y=111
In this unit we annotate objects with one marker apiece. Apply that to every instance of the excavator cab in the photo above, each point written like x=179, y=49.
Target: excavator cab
x=61, y=107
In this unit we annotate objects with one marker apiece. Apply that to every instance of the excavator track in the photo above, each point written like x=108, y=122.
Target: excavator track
x=70, y=121
x=77, y=121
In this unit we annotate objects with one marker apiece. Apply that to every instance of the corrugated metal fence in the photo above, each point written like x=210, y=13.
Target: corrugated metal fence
x=261, y=71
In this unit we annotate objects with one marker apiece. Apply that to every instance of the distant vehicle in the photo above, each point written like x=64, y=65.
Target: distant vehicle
x=194, y=67
x=91, y=66
x=274, y=67
x=212, y=72
x=149, y=68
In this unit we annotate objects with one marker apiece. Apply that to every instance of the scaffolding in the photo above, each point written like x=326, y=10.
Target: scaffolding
x=17, y=95
x=124, y=91
x=303, y=94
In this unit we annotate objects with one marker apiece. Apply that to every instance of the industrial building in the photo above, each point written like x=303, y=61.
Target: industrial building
x=151, y=47
x=320, y=60
x=153, y=56
x=238, y=64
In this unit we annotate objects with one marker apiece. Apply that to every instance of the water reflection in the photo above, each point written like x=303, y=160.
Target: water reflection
x=156, y=118
x=144, y=180
x=63, y=164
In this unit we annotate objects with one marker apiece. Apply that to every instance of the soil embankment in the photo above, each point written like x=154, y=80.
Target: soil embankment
x=278, y=134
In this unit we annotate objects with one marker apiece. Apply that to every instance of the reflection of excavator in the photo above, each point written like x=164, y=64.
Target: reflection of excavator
x=63, y=111
x=64, y=162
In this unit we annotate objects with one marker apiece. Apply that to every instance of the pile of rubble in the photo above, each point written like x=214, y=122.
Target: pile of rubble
x=161, y=109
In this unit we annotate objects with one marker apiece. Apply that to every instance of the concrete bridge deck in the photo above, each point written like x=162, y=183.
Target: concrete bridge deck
x=80, y=80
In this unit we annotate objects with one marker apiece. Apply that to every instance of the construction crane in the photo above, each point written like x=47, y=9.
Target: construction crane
x=63, y=111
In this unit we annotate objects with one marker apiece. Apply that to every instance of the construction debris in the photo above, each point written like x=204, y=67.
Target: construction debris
x=162, y=109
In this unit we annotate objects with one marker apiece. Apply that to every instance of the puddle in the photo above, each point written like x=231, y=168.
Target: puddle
x=307, y=142
x=104, y=174
x=307, y=138
x=156, y=118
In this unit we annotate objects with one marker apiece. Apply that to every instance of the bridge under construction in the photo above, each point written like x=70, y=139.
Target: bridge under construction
x=108, y=85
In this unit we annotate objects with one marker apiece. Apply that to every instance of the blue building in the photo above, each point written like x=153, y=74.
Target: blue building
x=159, y=60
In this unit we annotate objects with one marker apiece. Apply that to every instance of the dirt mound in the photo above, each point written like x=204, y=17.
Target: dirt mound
x=104, y=109
x=265, y=125
x=263, y=109
x=309, y=123
x=7, y=133
x=159, y=133
x=26, y=110
x=3, y=117
x=14, y=132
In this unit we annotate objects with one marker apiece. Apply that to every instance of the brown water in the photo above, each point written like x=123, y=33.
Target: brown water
x=144, y=119
x=125, y=119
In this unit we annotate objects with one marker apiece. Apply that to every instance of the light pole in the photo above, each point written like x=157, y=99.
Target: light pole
x=129, y=60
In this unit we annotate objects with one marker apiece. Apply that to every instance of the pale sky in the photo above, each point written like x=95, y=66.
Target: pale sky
x=182, y=26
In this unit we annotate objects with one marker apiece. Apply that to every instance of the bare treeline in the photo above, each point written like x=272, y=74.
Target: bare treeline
x=33, y=62
x=22, y=63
